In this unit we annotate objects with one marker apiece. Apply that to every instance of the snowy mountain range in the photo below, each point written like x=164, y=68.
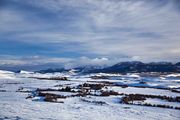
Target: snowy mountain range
x=125, y=67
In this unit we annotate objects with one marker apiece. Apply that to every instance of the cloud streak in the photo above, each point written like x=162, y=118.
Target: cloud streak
x=133, y=29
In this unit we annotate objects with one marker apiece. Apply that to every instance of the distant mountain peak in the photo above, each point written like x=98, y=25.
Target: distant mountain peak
x=123, y=67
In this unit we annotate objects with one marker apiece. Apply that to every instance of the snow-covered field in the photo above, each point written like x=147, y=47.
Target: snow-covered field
x=34, y=96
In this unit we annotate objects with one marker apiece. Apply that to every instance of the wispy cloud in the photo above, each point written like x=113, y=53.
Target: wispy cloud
x=137, y=29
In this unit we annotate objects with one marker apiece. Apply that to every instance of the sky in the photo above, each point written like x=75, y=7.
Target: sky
x=39, y=34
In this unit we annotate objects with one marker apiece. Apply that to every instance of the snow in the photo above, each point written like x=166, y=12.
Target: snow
x=25, y=72
x=133, y=76
x=14, y=105
x=173, y=75
x=147, y=91
x=6, y=74
x=105, y=74
x=161, y=102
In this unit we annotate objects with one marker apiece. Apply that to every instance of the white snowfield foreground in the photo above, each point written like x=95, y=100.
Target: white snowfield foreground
x=16, y=87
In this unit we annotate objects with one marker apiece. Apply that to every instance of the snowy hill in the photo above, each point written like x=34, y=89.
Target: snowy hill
x=136, y=66
x=6, y=74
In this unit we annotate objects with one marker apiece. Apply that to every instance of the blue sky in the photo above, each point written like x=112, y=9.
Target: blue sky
x=54, y=33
